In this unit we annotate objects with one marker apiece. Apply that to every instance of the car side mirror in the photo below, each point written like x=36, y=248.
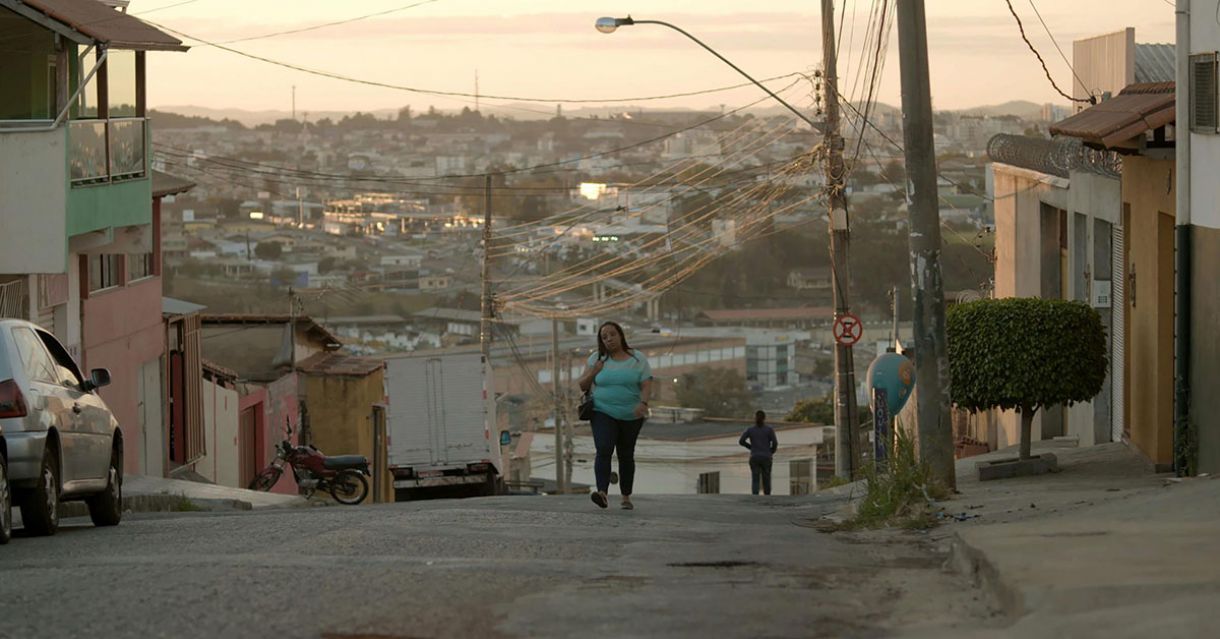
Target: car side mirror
x=506, y=438
x=98, y=378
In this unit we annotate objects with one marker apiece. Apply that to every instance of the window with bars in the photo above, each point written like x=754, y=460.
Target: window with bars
x=1203, y=104
x=800, y=476
x=709, y=483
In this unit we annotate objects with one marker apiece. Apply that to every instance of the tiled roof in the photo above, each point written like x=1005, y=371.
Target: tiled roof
x=165, y=184
x=103, y=24
x=1138, y=109
x=304, y=321
x=337, y=364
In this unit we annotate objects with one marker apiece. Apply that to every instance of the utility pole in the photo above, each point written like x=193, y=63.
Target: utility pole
x=300, y=210
x=894, y=298
x=294, y=103
x=488, y=310
x=928, y=313
x=490, y=425
x=557, y=387
x=846, y=426
x=568, y=445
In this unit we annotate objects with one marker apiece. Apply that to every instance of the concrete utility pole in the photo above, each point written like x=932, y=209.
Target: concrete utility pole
x=931, y=359
x=557, y=387
x=488, y=311
x=846, y=421
x=487, y=306
x=894, y=298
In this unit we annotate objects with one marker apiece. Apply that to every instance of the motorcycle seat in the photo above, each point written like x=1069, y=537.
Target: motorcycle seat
x=339, y=462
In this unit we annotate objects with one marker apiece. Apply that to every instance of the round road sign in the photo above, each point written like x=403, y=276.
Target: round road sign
x=848, y=329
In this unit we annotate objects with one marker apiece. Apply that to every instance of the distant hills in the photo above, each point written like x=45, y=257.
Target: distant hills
x=1020, y=108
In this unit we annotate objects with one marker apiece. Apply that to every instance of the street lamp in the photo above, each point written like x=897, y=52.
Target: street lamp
x=609, y=25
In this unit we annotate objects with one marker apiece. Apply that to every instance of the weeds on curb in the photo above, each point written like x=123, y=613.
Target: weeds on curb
x=900, y=496
x=183, y=504
x=834, y=482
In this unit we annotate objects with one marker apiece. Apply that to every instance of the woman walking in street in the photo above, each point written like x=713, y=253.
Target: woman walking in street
x=760, y=439
x=621, y=379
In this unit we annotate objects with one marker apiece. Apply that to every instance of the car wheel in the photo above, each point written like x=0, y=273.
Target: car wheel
x=40, y=508
x=106, y=507
x=6, y=504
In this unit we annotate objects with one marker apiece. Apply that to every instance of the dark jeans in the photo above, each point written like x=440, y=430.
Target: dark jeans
x=610, y=434
x=760, y=468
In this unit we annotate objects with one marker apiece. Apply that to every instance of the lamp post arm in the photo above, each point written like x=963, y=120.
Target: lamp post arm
x=726, y=61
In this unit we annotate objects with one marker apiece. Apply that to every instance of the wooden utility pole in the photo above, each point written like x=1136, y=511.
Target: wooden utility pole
x=846, y=422
x=561, y=479
x=928, y=312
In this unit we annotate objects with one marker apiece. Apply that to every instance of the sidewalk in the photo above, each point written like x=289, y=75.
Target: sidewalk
x=156, y=494
x=1104, y=548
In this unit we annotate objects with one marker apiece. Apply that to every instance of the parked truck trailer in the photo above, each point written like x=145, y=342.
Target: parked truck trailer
x=442, y=425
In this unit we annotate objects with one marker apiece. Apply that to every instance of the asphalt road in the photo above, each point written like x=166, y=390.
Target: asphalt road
x=681, y=566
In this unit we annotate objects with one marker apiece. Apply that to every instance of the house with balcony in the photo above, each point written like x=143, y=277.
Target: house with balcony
x=79, y=252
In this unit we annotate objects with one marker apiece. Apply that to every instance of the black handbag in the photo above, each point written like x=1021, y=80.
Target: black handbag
x=585, y=411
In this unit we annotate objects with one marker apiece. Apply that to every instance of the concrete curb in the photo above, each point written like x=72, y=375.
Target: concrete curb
x=159, y=504
x=972, y=562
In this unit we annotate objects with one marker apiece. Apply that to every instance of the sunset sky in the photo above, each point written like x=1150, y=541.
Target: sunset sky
x=549, y=49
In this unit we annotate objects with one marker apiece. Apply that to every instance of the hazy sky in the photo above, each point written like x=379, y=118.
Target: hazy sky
x=549, y=49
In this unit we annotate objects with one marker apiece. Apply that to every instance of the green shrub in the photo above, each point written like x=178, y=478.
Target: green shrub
x=1024, y=354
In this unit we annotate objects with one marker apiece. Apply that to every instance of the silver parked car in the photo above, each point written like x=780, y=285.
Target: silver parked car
x=6, y=499
x=62, y=441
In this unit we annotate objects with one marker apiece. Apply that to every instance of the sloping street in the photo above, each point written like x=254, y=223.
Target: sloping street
x=686, y=566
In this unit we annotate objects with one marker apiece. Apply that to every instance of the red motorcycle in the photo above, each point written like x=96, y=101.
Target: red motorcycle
x=343, y=476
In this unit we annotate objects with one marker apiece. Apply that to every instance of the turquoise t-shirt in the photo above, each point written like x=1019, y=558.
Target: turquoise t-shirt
x=616, y=389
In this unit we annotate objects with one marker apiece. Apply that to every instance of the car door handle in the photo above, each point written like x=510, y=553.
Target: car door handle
x=76, y=408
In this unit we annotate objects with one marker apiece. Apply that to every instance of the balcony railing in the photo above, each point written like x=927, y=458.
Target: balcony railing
x=106, y=150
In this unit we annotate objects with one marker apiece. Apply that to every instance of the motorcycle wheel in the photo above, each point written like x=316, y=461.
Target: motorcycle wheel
x=349, y=487
x=266, y=479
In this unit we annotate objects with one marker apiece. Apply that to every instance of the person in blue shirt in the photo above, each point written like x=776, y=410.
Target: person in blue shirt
x=760, y=439
x=621, y=380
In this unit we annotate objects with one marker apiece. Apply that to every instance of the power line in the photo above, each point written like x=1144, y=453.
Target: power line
x=330, y=24
x=463, y=94
x=1057, y=48
x=1021, y=27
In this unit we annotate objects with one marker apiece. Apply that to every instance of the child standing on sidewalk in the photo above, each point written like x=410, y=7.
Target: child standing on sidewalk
x=760, y=439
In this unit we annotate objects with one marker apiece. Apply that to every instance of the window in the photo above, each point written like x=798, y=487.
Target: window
x=800, y=476
x=121, y=83
x=85, y=106
x=709, y=483
x=139, y=266
x=27, y=65
x=1203, y=108
x=34, y=359
x=104, y=271
x=69, y=374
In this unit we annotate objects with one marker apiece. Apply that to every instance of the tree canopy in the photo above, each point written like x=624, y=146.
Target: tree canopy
x=720, y=392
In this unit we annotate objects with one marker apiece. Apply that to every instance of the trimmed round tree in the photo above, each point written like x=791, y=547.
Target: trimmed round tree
x=1024, y=354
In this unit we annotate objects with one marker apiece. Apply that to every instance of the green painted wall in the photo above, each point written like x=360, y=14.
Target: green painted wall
x=92, y=208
